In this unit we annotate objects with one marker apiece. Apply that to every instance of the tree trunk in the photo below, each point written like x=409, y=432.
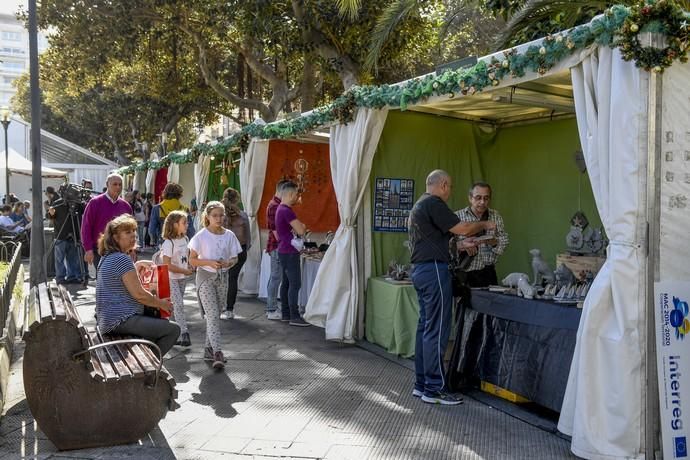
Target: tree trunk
x=308, y=86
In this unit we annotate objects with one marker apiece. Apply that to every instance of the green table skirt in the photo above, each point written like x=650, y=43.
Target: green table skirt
x=391, y=316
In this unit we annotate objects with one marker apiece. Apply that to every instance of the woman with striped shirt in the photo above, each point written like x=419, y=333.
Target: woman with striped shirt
x=120, y=297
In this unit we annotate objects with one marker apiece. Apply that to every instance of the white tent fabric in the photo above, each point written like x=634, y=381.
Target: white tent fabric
x=174, y=173
x=334, y=297
x=21, y=165
x=202, y=171
x=603, y=409
x=252, y=177
x=139, y=182
x=674, y=218
x=151, y=177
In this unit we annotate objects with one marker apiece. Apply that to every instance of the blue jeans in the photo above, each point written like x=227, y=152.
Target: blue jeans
x=274, y=281
x=432, y=281
x=67, y=266
x=292, y=282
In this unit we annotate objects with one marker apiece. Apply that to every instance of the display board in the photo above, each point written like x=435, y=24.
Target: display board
x=393, y=200
x=672, y=325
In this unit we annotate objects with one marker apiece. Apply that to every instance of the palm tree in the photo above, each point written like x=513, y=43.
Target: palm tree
x=457, y=13
x=537, y=18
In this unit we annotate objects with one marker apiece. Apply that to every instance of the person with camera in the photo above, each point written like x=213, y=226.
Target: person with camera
x=99, y=211
x=64, y=217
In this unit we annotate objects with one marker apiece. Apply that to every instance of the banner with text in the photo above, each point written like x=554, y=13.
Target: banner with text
x=672, y=325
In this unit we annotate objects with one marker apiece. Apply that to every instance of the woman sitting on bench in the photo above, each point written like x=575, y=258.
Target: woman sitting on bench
x=120, y=298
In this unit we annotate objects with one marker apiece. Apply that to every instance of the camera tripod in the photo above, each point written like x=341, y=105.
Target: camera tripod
x=74, y=219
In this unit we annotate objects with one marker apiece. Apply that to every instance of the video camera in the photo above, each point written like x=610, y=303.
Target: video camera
x=74, y=193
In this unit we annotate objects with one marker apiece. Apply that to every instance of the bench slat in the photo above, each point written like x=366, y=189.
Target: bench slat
x=116, y=359
x=108, y=373
x=58, y=302
x=142, y=357
x=44, y=299
x=130, y=360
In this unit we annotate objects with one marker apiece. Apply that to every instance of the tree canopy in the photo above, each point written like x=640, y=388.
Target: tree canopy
x=117, y=73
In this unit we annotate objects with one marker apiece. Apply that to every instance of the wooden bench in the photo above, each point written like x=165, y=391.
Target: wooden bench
x=84, y=389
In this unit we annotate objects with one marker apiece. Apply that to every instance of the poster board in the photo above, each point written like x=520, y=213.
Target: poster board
x=393, y=201
x=672, y=327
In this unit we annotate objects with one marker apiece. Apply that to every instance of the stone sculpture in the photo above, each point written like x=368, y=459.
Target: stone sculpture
x=540, y=268
x=512, y=279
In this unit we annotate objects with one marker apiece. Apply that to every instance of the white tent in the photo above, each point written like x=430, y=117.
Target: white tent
x=20, y=175
x=21, y=165
x=610, y=406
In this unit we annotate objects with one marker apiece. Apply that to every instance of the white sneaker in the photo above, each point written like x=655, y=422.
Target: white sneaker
x=227, y=314
x=274, y=315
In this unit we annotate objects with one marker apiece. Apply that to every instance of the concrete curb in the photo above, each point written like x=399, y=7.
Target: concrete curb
x=15, y=323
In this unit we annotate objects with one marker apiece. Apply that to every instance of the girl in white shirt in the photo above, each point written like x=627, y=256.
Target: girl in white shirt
x=214, y=251
x=176, y=255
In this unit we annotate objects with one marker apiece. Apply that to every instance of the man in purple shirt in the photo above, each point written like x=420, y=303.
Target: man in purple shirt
x=99, y=211
x=287, y=223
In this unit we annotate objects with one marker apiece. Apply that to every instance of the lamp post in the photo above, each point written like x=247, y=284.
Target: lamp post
x=5, y=111
x=164, y=142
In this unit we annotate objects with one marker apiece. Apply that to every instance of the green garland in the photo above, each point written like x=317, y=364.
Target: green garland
x=661, y=17
x=616, y=27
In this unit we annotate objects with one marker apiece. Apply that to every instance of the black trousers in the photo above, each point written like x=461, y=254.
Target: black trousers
x=482, y=278
x=233, y=278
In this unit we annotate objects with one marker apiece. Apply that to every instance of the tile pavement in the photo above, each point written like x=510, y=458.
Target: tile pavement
x=288, y=393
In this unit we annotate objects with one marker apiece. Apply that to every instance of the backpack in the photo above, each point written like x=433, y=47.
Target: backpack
x=157, y=257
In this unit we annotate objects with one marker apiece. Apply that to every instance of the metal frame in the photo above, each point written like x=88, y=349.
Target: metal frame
x=653, y=200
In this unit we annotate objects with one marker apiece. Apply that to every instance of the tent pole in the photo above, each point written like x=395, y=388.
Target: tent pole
x=37, y=274
x=654, y=99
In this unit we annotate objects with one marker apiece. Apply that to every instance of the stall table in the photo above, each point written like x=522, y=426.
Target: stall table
x=524, y=346
x=310, y=267
x=391, y=316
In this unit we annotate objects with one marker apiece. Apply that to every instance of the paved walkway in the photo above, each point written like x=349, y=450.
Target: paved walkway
x=286, y=392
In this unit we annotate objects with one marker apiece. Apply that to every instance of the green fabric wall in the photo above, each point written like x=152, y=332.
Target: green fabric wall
x=535, y=180
x=531, y=169
x=215, y=187
x=411, y=146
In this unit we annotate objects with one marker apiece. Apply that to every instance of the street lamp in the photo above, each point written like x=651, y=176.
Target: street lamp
x=5, y=112
x=164, y=142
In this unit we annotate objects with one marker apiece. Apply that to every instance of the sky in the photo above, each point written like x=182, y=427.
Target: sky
x=11, y=6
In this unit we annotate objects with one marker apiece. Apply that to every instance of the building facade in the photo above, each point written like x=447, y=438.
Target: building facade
x=14, y=54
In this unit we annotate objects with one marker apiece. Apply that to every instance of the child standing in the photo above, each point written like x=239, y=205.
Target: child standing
x=176, y=255
x=214, y=250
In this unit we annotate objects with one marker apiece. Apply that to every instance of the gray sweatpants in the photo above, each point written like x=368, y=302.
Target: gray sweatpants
x=177, y=298
x=212, y=289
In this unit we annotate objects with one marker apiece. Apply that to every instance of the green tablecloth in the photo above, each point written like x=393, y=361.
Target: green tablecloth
x=391, y=316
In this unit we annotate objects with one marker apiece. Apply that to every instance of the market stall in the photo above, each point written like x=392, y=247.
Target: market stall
x=609, y=73
x=305, y=162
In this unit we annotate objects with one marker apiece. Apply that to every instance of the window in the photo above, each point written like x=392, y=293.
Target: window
x=12, y=66
x=12, y=36
x=8, y=80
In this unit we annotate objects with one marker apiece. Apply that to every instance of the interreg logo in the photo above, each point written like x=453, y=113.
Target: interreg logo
x=678, y=318
x=674, y=400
